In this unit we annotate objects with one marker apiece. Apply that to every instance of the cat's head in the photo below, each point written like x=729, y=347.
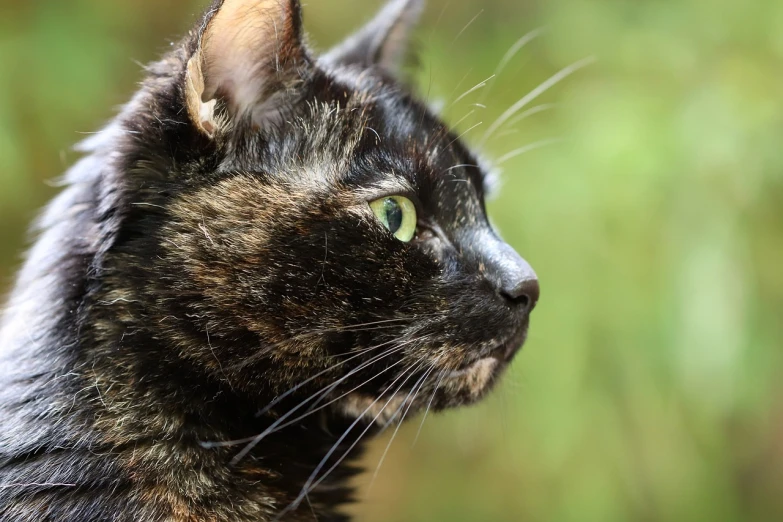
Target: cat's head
x=303, y=223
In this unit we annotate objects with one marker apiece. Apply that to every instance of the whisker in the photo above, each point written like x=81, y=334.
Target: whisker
x=516, y=47
x=321, y=373
x=366, y=429
x=504, y=427
x=257, y=438
x=463, y=134
x=427, y=98
x=440, y=17
x=347, y=328
x=373, y=323
x=429, y=405
x=416, y=388
x=462, y=165
x=357, y=354
x=310, y=484
x=252, y=442
x=420, y=381
x=466, y=26
x=311, y=411
x=473, y=89
x=523, y=115
x=364, y=365
x=456, y=124
x=506, y=59
x=530, y=112
x=527, y=148
x=312, y=510
x=535, y=93
x=507, y=132
x=459, y=84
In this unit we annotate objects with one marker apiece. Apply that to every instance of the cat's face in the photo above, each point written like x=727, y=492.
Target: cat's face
x=335, y=240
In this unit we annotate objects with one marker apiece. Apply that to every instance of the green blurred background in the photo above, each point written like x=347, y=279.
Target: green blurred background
x=652, y=386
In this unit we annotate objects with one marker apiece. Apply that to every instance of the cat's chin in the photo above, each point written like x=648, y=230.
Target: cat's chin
x=474, y=381
x=471, y=382
x=371, y=409
x=479, y=371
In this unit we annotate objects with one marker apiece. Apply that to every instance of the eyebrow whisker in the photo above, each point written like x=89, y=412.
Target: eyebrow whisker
x=473, y=89
x=535, y=93
x=466, y=26
x=459, y=167
x=516, y=47
x=527, y=148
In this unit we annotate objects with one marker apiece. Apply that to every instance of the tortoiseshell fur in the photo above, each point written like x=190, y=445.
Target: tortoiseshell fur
x=197, y=280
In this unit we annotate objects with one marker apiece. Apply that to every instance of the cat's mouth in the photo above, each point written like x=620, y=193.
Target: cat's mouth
x=467, y=383
x=482, y=365
x=499, y=356
x=475, y=377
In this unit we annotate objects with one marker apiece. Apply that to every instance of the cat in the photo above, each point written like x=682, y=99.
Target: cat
x=267, y=257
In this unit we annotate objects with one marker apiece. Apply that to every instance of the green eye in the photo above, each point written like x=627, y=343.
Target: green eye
x=398, y=214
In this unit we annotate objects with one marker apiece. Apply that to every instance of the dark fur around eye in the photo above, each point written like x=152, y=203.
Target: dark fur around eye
x=212, y=314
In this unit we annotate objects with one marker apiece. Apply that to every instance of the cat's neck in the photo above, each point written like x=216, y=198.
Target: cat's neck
x=133, y=422
x=152, y=408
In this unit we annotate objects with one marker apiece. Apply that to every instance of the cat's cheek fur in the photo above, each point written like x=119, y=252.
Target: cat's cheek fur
x=254, y=247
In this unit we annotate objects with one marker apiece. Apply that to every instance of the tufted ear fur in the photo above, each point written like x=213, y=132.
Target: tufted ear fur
x=383, y=42
x=247, y=51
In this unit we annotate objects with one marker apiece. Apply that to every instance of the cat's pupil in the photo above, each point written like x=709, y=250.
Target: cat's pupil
x=393, y=213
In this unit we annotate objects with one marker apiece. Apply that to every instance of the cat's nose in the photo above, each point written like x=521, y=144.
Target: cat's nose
x=515, y=279
x=523, y=292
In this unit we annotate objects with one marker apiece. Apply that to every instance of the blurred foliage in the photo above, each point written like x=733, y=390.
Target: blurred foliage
x=652, y=386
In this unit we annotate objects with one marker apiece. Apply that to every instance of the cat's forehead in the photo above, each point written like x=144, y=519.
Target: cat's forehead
x=359, y=130
x=398, y=134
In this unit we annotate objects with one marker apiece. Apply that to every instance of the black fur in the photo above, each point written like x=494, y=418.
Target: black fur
x=196, y=282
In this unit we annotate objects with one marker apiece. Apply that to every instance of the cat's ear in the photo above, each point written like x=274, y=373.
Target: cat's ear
x=384, y=41
x=247, y=51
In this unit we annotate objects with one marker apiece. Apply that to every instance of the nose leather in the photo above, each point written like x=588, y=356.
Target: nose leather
x=525, y=292
x=514, y=278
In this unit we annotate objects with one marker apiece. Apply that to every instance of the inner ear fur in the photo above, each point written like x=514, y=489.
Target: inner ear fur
x=247, y=51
